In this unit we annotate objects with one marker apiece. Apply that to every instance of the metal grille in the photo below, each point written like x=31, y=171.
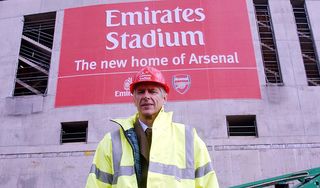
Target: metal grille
x=74, y=132
x=35, y=54
x=242, y=125
x=267, y=43
x=310, y=59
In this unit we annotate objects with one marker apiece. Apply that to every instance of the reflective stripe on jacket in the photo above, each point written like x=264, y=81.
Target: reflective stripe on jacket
x=178, y=158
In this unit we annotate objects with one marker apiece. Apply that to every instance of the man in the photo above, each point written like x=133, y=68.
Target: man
x=149, y=150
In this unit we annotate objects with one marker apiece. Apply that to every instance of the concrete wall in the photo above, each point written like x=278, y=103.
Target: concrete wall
x=288, y=117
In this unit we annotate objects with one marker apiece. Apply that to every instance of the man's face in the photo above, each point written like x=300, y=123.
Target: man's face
x=149, y=98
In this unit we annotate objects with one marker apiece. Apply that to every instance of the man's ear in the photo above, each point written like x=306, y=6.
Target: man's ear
x=134, y=100
x=165, y=97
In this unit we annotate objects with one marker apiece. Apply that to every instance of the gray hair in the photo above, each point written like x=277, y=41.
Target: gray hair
x=162, y=91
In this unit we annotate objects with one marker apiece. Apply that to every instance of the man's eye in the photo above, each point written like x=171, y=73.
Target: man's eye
x=153, y=91
x=140, y=91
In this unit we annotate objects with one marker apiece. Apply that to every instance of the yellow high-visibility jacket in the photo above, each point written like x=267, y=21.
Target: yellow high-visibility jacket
x=178, y=158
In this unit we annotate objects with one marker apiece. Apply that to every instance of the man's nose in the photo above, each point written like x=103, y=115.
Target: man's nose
x=146, y=94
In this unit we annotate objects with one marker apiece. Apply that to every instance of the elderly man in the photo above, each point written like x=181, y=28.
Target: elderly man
x=149, y=150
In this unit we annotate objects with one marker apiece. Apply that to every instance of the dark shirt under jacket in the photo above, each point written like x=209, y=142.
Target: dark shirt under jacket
x=144, y=153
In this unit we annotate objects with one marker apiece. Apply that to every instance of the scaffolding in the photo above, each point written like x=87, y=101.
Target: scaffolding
x=35, y=54
x=267, y=42
x=309, y=55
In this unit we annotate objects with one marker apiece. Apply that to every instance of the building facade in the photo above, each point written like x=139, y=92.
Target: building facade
x=42, y=145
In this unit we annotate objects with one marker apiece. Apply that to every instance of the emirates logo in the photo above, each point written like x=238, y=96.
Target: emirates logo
x=126, y=84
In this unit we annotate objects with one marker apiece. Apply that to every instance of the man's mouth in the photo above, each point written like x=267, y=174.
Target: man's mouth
x=146, y=105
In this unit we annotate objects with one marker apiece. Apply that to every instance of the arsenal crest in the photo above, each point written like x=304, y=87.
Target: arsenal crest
x=181, y=83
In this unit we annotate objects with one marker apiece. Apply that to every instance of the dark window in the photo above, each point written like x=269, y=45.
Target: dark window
x=35, y=54
x=267, y=43
x=242, y=125
x=74, y=132
x=282, y=185
x=310, y=58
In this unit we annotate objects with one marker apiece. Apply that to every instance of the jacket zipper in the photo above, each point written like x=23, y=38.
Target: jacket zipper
x=125, y=135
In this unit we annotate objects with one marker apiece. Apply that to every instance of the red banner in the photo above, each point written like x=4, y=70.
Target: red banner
x=204, y=49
